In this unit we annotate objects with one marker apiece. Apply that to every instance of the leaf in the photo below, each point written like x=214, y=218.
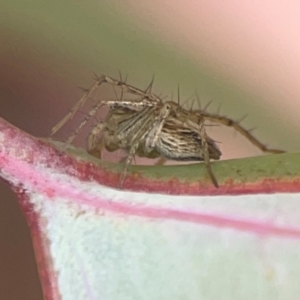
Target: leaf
x=169, y=234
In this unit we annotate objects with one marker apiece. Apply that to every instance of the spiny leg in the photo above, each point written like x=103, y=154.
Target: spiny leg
x=78, y=105
x=246, y=133
x=91, y=113
x=149, y=125
x=133, y=123
x=122, y=128
x=150, y=98
x=142, y=104
x=93, y=138
x=206, y=155
x=137, y=139
x=128, y=161
x=126, y=103
x=153, y=135
x=127, y=88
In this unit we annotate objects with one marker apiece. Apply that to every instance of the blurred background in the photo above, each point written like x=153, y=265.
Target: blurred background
x=242, y=56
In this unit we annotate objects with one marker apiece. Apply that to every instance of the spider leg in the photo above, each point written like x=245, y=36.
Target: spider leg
x=153, y=135
x=133, y=90
x=78, y=105
x=206, y=155
x=134, y=123
x=137, y=139
x=236, y=125
x=151, y=126
x=93, y=139
x=91, y=113
x=148, y=97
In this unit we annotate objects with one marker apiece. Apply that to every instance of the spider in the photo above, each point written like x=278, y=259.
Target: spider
x=147, y=126
x=152, y=136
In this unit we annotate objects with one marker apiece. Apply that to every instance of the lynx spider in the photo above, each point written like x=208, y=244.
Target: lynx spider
x=149, y=127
